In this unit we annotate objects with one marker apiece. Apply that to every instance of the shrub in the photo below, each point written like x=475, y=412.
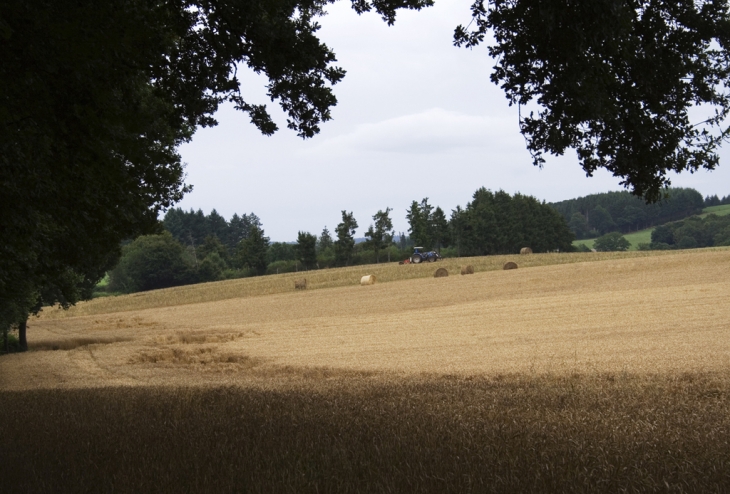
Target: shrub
x=611, y=242
x=722, y=237
x=212, y=267
x=687, y=242
x=151, y=262
x=660, y=246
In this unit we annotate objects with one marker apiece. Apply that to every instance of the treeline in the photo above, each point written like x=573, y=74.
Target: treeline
x=691, y=233
x=193, y=228
x=716, y=201
x=598, y=214
x=492, y=223
x=196, y=247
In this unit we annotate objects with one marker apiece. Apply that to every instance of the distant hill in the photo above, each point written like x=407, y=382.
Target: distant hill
x=597, y=214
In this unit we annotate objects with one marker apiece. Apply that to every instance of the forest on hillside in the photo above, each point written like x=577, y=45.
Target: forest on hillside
x=691, y=233
x=598, y=214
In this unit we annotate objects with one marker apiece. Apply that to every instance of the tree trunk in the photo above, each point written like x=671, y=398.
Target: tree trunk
x=22, y=327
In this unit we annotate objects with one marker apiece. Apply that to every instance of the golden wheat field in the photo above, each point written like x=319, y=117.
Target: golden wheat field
x=574, y=372
x=633, y=314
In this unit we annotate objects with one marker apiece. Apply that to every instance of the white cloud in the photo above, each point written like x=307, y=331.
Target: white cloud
x=433, y=131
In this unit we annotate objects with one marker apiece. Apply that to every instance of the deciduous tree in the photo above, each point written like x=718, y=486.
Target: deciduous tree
x=611, y=242
x=616, y=80
x=96, y=98
x=345, y=242
x=151, y=262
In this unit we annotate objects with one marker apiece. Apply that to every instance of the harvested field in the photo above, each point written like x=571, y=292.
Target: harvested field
x=325, y=278
x=567, y=376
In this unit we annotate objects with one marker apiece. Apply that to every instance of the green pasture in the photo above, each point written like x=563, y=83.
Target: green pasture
x=635, y=238
x=644, y=236
x=722, y=210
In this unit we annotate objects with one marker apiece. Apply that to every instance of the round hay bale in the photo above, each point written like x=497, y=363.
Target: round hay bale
x=525, y=250
x=300, y=284
x=468, y=269
x=441, y=273
x=368, y=279
x=510, y=265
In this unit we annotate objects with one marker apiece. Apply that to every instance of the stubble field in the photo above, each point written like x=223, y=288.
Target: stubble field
x=575, y=372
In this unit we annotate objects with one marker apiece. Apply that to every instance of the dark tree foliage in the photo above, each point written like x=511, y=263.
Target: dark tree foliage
x=420, y=223
x=187, y=227
x=380, y=235
x=614, y=79
x=252, y=251
x=97, y=96
x=627, y=212
x=306, y=249
x=213, y=245
x=280, y=251
x=324, y=241
x=212, y=267
x=192, y=228
x=578, y=225
x=345, y=243
x=611, y=242
x=218, y=227
x=151, y=262
x=240, y=227
x=440, y=231
x=602, y=220
x=716, y=201
x=693, y=232
x=497, y=223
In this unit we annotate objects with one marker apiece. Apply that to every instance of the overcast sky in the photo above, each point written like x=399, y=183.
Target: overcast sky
x=416, y=117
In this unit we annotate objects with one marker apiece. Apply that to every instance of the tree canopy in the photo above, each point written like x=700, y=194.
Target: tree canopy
x=611, y=242
x=497, y=223
x=306, y=248
x=380, y=235
x=97, y=97
x=345, y=242
x=151, y=262
x=616, y=80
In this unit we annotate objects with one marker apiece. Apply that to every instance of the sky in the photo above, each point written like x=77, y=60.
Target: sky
x=416, y=117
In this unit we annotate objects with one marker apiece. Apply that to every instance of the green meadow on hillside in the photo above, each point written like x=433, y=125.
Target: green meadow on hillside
x=722, y=210
x=636, y=238
x=644, y=236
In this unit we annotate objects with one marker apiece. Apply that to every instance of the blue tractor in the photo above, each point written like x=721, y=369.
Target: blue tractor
x=419, y=256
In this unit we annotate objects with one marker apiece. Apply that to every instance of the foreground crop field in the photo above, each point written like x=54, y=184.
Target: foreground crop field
x=575, y=372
